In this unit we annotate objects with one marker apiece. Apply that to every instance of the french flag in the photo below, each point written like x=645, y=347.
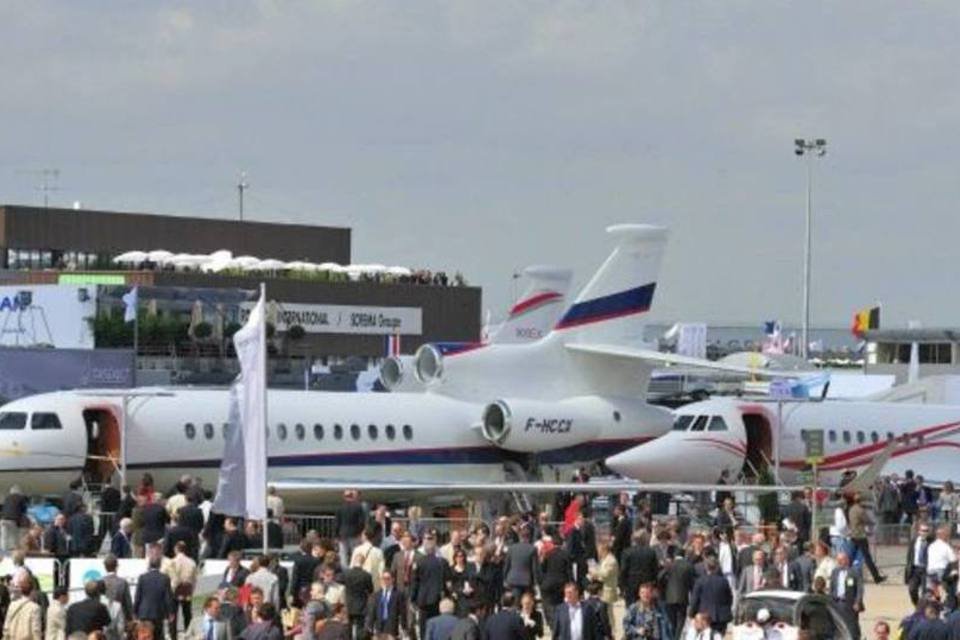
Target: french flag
x=392, y=345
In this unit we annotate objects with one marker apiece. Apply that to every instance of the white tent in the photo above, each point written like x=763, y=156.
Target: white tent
x=160, y=256
x=272, y=265
x=399, y=271
x=330, y=266
x=299, y=265
x=131, y=257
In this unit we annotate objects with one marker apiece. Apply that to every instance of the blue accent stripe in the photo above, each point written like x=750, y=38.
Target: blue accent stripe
x=453, y=348
x=608, y=307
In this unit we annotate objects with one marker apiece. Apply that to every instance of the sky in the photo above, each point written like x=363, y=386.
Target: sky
x=482, y=136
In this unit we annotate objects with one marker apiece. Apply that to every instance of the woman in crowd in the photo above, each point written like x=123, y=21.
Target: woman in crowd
x=460, y=588
x=531, y=617
x=607, y=572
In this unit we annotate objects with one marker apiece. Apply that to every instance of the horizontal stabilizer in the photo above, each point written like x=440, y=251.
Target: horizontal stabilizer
x=657, y=358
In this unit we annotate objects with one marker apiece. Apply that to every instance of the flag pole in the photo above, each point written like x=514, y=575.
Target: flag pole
x=263, y=403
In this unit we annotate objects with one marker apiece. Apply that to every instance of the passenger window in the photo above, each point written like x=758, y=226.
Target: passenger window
x=190, y=431
x=717, y=424
x=874, y=437
x=13, y=420
x=832, y=436
x=208, y=431
x=372, y=432
x=861, y=437
x=391, y=432
x=846, y=437
x=355, y=431
x=300, y=431
x=407, y=432
x=282, y=431
x=318, y=431
x=889, y=435
x=45, y=421
x=700, y=424
x=682, y=423
x=337, y=432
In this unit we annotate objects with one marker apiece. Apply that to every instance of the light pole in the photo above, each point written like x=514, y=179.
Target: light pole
x=814, y=148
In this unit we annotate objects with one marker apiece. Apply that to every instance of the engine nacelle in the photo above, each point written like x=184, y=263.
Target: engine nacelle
x=528, y=426
x=428, y=364
x=392, y=373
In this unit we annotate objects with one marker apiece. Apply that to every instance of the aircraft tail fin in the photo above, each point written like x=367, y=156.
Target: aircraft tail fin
x=537, y=310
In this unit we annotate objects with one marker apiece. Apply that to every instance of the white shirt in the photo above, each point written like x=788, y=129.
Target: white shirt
x=841, y=583
x=785, y=575
x=726, y=559
x=839, y=526
x=939, y=555
x=576, y=622
x=918, y=552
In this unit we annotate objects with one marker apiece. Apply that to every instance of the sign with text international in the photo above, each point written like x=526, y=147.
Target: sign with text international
x=336, y=318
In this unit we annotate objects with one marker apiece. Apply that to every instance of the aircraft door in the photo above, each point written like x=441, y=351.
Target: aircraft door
x=103, y=445
x=759, y=445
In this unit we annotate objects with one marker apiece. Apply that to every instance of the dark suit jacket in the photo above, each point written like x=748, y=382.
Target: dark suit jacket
x=911, y=550
x=555, y=571
x=86, y=616
x=118, y=590
x=712, y=595
x=466, y=629
x=440, y=627
x=745, y=559
x=238, y=578
x=82, y=540
x=854, y=587
x=396, y=613
x=678, y=580
x=181, y=533
x=191, y=516
x=561, y=623
x=154, y=600
x=233, y=541
x=799, y=514
x=520, y=565
x=357, y=588
x=55, y=542
x=71, y=503
x=503, y=625
x=622, y=532
x=120, y=545
x=301, y=574
x=640, y=564
x=155, y=520
x=602, y=615
x=429, y=579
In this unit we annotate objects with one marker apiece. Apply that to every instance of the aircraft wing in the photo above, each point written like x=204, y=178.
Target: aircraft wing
x=603, y=486
x=660, y=358
x=864, y=480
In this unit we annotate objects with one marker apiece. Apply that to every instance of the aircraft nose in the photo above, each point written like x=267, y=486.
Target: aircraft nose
x=648, y=462
x=674, y=459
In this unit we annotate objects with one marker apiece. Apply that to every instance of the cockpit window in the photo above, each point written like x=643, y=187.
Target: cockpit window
x=12, y=420
x=682, y=423
x=717, y=424
x=40, y=421
x=700, y=424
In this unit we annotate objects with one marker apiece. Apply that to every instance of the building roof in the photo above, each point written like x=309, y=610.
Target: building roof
x=931, y=334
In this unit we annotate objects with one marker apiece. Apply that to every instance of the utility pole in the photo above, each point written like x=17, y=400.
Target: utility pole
x=815, y=148
x=242, y=185
x=48, y=179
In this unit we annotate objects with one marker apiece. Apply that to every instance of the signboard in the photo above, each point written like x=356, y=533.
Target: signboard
x=336, y=318
x=84, y=569
x=25, y=372
x=42, y=568
x=47, y=315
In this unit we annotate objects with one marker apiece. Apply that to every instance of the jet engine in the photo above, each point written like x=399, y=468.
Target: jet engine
x=528, y=426
x=428, y=364
x=393, y=371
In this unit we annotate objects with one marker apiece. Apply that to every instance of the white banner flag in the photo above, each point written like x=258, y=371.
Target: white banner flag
x=241, y=488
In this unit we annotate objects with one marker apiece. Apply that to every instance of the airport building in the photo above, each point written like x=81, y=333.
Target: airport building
x=318, y=315
x=888, y=351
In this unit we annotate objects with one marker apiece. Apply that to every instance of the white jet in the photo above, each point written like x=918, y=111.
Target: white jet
x=742, y=435
x=529, y=319
x=557, y=401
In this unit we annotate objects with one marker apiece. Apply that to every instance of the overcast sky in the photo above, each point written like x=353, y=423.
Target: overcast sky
x=482, y=136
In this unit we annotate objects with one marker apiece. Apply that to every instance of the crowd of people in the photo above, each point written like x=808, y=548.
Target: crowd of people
x=523, y=577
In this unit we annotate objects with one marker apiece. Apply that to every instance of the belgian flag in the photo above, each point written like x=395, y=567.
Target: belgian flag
x=865, y=320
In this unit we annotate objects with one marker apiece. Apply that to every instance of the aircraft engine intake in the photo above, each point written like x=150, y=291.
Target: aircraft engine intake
x=392, y=373
x=528, y=426
x=428, y=364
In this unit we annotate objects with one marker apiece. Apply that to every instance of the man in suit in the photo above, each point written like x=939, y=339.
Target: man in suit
x=712, y=595
x=520, y=565
x=55, y=542
x=468, y=628
x=574, y=620
x=745, y=554
x=386, y=609
x=430, y=574
x=190, y=515
x=72, y=499
x=121, y=545
x=601, y=610
x=677, y=582
x=357, y=589
x=178, y=532
x=753, y=577
x=506, y=624
x=349, y=523
x=799, y=514
x=805, y=566
x=915, y=568
x=209, y=626
x=441, y=627
x=116, y=588
x=89, y=614
x=404, y=561
x=787, y=574
x=305, y=564
x=235, y=575
x=640, y=566
x=80, y=528
x=577, y=548
x=155, y=519
x=154, y=599
x=846, y=589
x=555, y=572
x=621, y=529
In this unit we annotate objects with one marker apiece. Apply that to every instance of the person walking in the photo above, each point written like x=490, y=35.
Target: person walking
x=12, y=517
x=24, y=618
x=678, y=579
x=154, y=599
x=915, y=568
x=88, y=615
x=208, y=626
x=859, y=520
x=712, y=596
x=386, y=609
